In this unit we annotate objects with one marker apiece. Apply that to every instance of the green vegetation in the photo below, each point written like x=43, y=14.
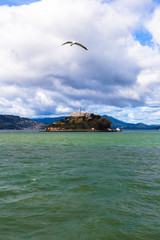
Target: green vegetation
x=94, y=122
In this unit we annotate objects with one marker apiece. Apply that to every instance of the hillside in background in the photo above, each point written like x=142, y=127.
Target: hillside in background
x=49, y=120
x=18, y=123
x=115, y=123
x=137, y=126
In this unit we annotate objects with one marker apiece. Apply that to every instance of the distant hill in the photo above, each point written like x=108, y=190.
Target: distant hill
x=49, y=120
x=115, y=123
x=18, y=123
x=134, y=126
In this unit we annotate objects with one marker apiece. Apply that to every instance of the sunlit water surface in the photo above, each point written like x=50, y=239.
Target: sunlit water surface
x=80, y=186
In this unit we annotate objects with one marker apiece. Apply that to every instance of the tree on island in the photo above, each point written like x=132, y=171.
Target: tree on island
x=101, y=124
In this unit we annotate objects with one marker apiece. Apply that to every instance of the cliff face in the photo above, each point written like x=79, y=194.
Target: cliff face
x=92, y=123
x=16, y=122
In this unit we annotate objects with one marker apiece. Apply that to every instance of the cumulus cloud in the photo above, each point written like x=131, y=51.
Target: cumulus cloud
x=40, y=77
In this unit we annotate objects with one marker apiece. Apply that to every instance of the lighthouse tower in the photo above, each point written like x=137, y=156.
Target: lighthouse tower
x=80, y=114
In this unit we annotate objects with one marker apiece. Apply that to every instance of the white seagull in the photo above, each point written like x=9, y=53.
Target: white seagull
x=75, y=43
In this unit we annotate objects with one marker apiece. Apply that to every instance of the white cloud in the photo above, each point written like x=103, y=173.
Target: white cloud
x=38, y=76
x=153, y=24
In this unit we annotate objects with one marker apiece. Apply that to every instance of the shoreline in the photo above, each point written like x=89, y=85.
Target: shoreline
x=83, y=130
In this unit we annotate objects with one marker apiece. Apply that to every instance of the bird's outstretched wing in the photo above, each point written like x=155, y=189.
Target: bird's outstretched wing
x=68, y=42
x=79, y=44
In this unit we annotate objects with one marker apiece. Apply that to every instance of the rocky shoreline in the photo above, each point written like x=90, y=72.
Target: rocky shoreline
x=83, y=130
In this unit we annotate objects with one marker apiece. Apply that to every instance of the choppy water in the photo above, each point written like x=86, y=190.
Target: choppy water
x=80, y=186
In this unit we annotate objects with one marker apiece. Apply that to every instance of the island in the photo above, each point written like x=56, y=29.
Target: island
x=81, y=122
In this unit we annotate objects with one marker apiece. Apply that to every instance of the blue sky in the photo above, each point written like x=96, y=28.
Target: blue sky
x=16, y=2
x=119, y=74
x=143, y=36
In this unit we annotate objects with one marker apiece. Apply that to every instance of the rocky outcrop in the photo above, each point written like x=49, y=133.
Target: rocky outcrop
x=93, y=123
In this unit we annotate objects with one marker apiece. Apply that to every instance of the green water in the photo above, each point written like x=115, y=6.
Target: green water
x=80, y=186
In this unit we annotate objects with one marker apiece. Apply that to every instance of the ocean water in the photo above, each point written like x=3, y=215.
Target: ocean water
x=80, y=186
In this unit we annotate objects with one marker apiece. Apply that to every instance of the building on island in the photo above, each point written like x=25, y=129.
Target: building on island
x=80, y=114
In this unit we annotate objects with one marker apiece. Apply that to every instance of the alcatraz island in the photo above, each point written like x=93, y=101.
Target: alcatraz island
x=82, y=122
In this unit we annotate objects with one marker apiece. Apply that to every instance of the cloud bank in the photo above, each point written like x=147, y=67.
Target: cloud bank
x=117, y=75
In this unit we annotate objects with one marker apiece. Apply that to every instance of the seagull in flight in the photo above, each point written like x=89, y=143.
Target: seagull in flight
x=75, y=43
